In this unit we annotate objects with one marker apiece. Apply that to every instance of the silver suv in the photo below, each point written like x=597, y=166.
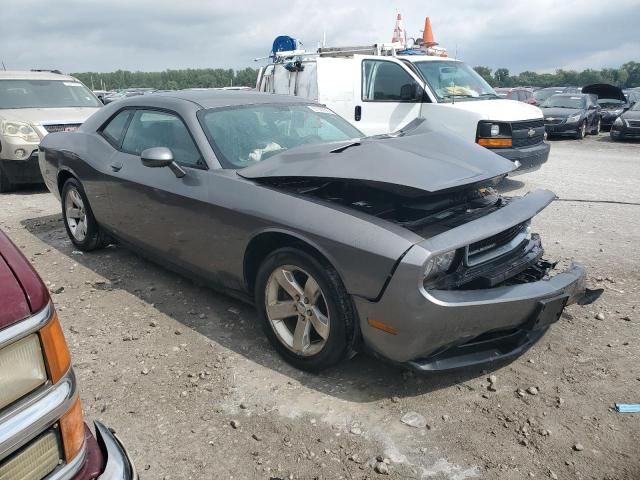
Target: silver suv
x=33, y=104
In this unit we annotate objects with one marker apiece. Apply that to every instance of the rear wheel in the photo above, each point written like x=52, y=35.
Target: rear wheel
x=81, y=225
x=304, y=309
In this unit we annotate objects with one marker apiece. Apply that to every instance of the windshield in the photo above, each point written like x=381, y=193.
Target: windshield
x=243, y=136
x=454, y=80
x=610, y=101
x=636, y=107
x=562, y=101
x=542, y=95
x=45, y=94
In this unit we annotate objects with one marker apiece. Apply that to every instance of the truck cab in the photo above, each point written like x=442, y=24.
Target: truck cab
x=381, y=92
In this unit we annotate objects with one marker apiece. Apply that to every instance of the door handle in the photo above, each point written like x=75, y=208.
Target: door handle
x=358, y=113
x=116, y=166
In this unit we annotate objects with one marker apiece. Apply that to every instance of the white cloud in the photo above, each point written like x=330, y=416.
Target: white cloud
x=79, y=35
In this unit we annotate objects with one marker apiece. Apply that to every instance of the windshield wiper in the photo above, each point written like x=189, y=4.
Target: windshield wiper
x=344, y=147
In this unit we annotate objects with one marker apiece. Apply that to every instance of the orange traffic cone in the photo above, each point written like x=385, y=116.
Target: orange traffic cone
x=427, y=34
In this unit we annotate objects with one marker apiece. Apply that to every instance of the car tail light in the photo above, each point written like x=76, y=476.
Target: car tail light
x=72, y=428
x=55, y=349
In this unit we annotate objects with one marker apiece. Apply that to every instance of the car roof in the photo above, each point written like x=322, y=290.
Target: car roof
x=29, y=75
x=230, y=98
x=571, y=95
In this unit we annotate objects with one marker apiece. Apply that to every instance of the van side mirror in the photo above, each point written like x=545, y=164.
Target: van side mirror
x=158, y=157
x=408, y=91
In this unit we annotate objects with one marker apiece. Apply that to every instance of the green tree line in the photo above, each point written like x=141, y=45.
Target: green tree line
x=628, y=75
x=170, y=79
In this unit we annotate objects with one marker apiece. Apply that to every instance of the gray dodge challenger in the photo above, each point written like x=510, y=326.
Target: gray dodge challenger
x=397, y=244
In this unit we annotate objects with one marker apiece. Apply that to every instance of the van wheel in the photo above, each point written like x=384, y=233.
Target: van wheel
x=81, y=225
x=305, y=311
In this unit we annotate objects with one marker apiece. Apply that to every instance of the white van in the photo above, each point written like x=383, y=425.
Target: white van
x=379, y=91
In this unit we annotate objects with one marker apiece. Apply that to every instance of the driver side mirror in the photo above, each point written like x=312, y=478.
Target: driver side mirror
x=408, y=91
x=158, y=157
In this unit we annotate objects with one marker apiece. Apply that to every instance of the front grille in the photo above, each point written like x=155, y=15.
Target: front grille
x=63, y=127
x=34, y=461
x=496, y=240
x=634, y=123
x=553, y=121
x=520, y=132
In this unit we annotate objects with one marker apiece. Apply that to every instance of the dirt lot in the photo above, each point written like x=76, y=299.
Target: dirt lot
x=194, y=390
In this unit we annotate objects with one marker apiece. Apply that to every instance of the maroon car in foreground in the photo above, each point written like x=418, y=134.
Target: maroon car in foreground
x=43, y=435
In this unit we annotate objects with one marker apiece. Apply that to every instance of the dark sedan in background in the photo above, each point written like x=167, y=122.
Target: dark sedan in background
x=611, y=100
x=627, y=125
x=43, y=435
x=394, y=244
x=542, y=94
x=572, y=115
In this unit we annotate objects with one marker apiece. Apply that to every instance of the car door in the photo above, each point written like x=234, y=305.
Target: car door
x=152, y=207
x=389, y=96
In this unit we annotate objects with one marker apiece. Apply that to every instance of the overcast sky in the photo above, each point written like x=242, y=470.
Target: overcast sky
x=153, y=35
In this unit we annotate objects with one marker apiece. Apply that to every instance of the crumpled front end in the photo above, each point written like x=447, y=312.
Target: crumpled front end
x=495, y=298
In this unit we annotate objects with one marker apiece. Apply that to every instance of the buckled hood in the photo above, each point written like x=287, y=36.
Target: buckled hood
x=420, y=159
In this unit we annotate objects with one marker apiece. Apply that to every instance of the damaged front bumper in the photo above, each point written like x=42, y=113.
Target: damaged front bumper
x=442, y=329
x=119, y=465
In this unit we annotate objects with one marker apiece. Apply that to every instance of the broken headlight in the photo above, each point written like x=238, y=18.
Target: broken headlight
x=438, y=265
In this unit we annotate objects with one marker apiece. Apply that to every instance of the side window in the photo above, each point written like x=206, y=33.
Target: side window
x=114, y=130
x=149, y=128
x=384, y=81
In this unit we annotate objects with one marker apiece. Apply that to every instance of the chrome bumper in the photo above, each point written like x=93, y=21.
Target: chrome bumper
x=118, y=466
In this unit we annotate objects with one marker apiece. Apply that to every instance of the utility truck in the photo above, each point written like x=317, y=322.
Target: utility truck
x=381, y=88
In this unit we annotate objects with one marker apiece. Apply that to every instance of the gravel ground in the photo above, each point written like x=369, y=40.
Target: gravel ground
x=194, y=390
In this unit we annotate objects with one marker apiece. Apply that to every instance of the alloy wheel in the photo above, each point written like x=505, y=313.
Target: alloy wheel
x=76, y=214
x=297, y=310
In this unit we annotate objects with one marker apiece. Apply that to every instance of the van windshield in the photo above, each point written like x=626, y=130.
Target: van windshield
x=45, y=94
x=454, y=81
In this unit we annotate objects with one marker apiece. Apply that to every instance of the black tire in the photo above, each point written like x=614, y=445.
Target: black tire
x=582, y=132
x=95, y=237
x=339, y=343
x=597, y=128
x=5, y=183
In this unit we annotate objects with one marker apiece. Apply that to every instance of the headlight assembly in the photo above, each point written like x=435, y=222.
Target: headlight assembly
x=19, y=129
x=21, y=369
x=574, y=118
x=619, y=122
x=438, y=264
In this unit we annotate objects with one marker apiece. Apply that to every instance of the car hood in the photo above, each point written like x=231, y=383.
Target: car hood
x=420, y=159
x=44, y=116
x=631, y=115
x=604, y=90
x=499, y=109
x=559, y=112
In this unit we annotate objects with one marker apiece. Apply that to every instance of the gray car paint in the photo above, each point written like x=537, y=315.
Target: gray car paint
x=421, y=159
x=204, y=223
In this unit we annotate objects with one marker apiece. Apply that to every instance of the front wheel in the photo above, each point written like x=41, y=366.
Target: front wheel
x=304, y=309
x=81, y=225
x=582, y=131
x=596, y=130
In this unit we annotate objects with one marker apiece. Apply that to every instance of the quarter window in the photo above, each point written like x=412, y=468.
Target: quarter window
x=150, y=128
x=384, y=81
x=114, y=130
